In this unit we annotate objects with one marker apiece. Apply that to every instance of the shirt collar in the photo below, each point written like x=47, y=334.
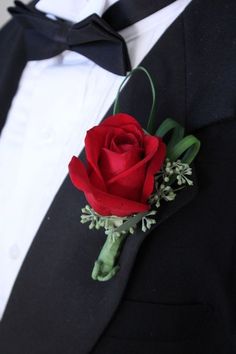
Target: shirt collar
x=74, y=10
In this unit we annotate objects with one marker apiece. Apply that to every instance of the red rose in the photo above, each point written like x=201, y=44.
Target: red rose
x=122, y=161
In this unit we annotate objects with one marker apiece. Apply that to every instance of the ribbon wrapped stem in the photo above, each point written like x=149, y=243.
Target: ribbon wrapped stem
x=106, y=265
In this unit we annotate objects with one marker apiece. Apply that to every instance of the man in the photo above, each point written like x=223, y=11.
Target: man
x=175, y=291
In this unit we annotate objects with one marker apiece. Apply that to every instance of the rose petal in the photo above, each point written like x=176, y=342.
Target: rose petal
x=125, y=142
x=79, y=175
x=151, y=148
x=107, y=204
x=102, y=202
x=93, y=145
x=94, y=141
x=112, y=163
x=131, y=187
x=120, y=120
x=154, y=167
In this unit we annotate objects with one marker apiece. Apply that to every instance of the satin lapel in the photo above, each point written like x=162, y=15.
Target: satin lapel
x=54, y=301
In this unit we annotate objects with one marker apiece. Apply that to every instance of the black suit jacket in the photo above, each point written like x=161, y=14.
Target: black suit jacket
x=175, y=292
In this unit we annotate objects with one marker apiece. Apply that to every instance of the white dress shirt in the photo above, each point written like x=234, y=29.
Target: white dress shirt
x=57, y=101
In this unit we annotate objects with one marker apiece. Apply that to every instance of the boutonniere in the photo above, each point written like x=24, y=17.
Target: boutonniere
x=130, y=171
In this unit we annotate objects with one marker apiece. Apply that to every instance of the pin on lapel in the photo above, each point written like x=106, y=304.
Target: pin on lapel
x=130, y=172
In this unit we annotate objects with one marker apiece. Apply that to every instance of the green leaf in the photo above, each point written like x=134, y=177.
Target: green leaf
x=131, y=222
x=186, y=149
x=170, y=125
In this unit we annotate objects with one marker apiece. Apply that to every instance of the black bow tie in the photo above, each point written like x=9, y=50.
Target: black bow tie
x=93, y=37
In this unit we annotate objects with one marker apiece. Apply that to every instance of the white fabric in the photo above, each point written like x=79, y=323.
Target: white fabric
x=74, y=10
x=58, y=100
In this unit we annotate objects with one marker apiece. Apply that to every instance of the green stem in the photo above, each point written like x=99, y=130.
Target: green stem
x=151, y=119
x=105, y=266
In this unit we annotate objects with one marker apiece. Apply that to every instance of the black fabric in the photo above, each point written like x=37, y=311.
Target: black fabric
x=175, y=292
x=125, y=13
x=92, y=37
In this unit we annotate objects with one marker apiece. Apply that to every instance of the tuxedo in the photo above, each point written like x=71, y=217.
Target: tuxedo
x=175, y=291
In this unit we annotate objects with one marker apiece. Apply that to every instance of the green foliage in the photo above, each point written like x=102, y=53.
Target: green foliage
x=172, y=177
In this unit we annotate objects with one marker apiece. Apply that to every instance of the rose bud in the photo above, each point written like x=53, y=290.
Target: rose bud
x=122, y=161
